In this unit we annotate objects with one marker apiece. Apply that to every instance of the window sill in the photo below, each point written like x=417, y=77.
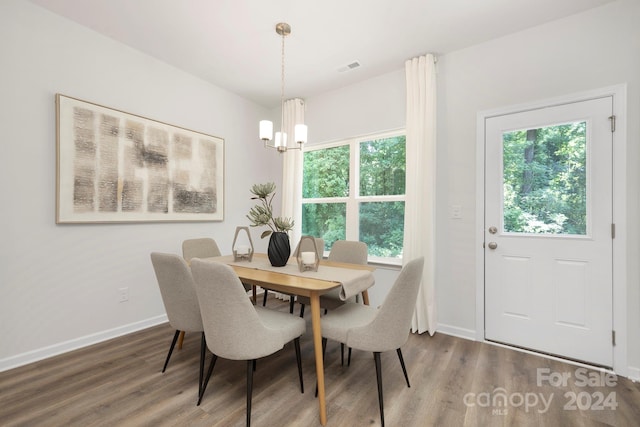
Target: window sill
x=386, y=265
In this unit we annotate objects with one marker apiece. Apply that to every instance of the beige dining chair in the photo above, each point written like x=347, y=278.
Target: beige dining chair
x=378, y=329
x=234, y=328
x=180, y=300
x=306, y=246
x=204, y=247
x=348, y=251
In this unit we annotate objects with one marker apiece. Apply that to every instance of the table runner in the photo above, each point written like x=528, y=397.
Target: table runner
x=353, y=281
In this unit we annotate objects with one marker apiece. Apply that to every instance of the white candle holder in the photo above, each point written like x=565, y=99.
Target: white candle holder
x=242, y=253
x=307, y=260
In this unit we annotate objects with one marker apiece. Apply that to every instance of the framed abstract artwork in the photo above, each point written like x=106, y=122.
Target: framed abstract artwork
x=114, y=166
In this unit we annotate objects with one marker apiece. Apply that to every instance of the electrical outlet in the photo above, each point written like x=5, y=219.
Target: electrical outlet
x=123, y=294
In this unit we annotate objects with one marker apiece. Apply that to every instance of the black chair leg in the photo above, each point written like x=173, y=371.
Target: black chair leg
x=341, y=354
x=296, y=343
x=301, y=310
x=173, y=344
x=376, y=358
x=404, y=369
x=349, y=359
x=250, y=364
x=203, y=346
x=206, y=381
x=292, y=301
x=264, y=298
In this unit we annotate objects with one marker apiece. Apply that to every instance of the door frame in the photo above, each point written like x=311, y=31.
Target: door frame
x=619, y=248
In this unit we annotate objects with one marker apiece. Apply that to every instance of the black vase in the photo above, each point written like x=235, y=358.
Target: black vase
x=279, y=249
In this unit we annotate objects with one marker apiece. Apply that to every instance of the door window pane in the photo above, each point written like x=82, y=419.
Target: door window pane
x=545, y=180
x=382, y=166
x=326, y=220
x=382, y=228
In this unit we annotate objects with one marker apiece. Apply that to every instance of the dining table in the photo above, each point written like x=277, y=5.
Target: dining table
x=354, y=279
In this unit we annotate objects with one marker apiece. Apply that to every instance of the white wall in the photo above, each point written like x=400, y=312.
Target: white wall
x=58, y=283
x=595, y=49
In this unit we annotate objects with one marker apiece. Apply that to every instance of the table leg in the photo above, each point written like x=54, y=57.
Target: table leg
x=365, y=297
x=317, y=347
x=180, y=340
x=254, y=292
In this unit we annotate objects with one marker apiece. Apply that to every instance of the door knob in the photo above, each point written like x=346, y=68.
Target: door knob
x=493, y=230
x=493, y=245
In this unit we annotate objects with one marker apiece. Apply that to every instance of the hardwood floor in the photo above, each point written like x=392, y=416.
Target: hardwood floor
x=454, y=382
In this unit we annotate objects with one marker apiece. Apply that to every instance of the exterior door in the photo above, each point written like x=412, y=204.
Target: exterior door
x=548, y=230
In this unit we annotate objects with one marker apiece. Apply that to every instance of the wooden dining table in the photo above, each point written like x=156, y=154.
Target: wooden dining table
x=297, y=284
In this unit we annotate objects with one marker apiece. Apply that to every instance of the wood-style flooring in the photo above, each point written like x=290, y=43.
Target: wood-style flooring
x=454, y=382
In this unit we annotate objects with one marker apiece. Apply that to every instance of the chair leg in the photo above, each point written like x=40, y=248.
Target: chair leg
x=292, y=301
x=341, y=354
x=349, y=359
x=404, y=369
x=173, y=344
x=301, y=310
x=250, y=364
x=203, y=346
x=206, y=381
x=264, y=298
x=296, y=343
x=376, y=358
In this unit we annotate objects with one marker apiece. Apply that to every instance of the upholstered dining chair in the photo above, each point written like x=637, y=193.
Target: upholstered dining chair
x=378, y=329
x=306, y=246
x=349, y=251
x=204, y=247
x=180, y=300
x=234, y=328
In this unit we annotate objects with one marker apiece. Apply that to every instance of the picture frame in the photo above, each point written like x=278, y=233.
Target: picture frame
x=114, y=166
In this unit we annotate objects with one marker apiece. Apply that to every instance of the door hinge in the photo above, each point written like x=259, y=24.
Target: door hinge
x=613, y=123
x=613, y=337
x=613, y=231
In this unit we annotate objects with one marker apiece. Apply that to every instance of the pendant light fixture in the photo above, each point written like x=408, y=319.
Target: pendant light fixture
x=266, y=126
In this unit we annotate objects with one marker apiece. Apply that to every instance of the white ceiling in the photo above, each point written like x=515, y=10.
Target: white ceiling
x=233, y=43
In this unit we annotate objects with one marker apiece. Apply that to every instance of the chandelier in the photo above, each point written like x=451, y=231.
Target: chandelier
x=266, y=126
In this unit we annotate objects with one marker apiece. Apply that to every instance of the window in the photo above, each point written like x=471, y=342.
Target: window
x=545, y=180
x=355, y=190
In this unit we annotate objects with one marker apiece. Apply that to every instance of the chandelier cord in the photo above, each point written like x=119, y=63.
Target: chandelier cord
x=282, y=89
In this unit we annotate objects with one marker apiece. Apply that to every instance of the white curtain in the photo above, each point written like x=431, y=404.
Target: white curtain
x=292, y=173
x=419, y=226
x=292, y=169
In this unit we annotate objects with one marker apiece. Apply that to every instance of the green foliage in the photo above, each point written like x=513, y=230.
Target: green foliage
x=545, y=180
x=262, y=213
x=332, y=164
x=382, y=228
x=382, y=166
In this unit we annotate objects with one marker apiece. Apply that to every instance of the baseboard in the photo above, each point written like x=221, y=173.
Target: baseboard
x=633, y=373
x=455, y=331
x=76, y=343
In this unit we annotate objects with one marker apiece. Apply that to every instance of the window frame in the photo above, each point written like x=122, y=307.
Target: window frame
x=353, y=201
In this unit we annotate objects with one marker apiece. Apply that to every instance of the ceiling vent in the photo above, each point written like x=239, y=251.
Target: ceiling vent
x=349, y=67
